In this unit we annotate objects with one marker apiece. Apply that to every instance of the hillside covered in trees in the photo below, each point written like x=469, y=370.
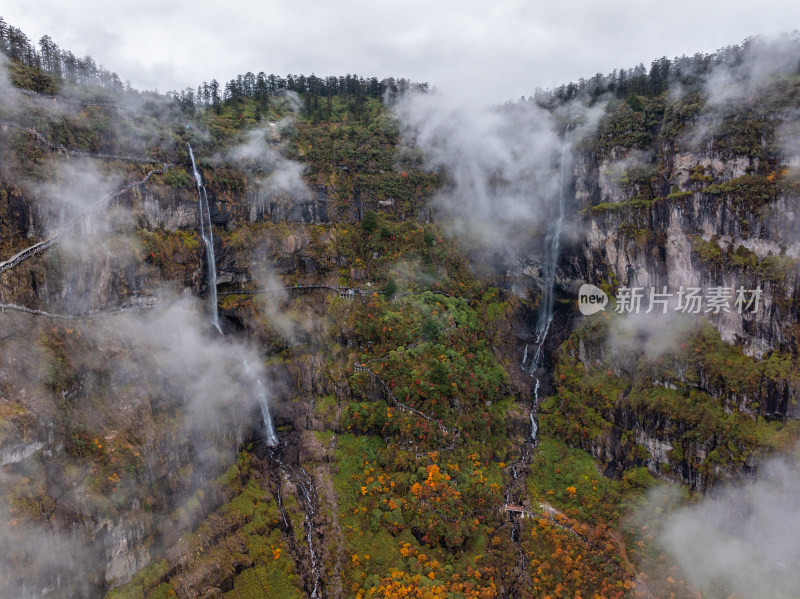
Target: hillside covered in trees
x=380, y=276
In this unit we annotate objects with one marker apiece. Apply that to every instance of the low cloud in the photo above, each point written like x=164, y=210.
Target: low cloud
x=744, y=542
x=652, y=335
x=501, y=163
x=75, y=186
x=273, y=300
x=741, y=81
x=292, y=99
x=787, y=136
x=760, y=62
x=276, y=176
x=7, y=90
x=168, y=361
x=184, y=354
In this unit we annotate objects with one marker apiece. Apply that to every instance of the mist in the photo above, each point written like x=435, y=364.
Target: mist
x=653, y=334
x=762, y=60
x=177, y=345
x=275, y=176
x=7, y=90
x=167, y=360
x=744, y=541
x=734, y=85
x=500, y=163
x=75, y=185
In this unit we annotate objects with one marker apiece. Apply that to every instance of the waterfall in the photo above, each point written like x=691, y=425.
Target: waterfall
x=208, y=239
x=269, y=428
x=305, y=483
x=552, y=252
x=270, y=437
x=306, y=496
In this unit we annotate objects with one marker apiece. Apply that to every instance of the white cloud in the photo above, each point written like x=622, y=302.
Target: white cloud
x=502, y=165
x=494, y=52
x=745, y=541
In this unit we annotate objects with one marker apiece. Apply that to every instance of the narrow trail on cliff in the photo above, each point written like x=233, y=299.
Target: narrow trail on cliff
x=34, y=249
x=407, y=408
x=148, y=304
x=346, y=292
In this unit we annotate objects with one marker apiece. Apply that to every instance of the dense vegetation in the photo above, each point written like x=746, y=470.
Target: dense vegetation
x=45, y=67
x=403, y=399
x=688, y=73
x=666, y=388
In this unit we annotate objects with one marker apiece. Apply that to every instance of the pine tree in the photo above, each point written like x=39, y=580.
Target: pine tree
x=215, y=99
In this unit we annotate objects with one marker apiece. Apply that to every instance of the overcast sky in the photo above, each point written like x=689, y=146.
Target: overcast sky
x=492, y=49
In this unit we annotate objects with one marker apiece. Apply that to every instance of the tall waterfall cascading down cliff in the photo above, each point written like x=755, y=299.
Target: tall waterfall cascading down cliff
x=208, y=239
x=545, y=319
x=271, y=438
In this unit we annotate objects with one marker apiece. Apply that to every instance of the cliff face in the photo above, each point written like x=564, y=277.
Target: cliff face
x=678, y=211
x=112, y=431
x=719, y=228
x=177, y=209
x=627, y=241
x=124, y=483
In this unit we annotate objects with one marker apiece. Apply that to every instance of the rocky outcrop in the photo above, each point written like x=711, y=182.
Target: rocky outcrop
x=313, y=210
x=168, y=208
x=686, y=408
x=126, y=544
x=712, y=226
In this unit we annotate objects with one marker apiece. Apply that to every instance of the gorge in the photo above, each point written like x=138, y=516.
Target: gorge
x=406, y=400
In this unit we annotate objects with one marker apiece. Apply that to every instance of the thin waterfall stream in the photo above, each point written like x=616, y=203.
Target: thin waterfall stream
x=208, y=238
x=515, y=490
x=306, y=495
x=270, y=437
x=545, y=320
